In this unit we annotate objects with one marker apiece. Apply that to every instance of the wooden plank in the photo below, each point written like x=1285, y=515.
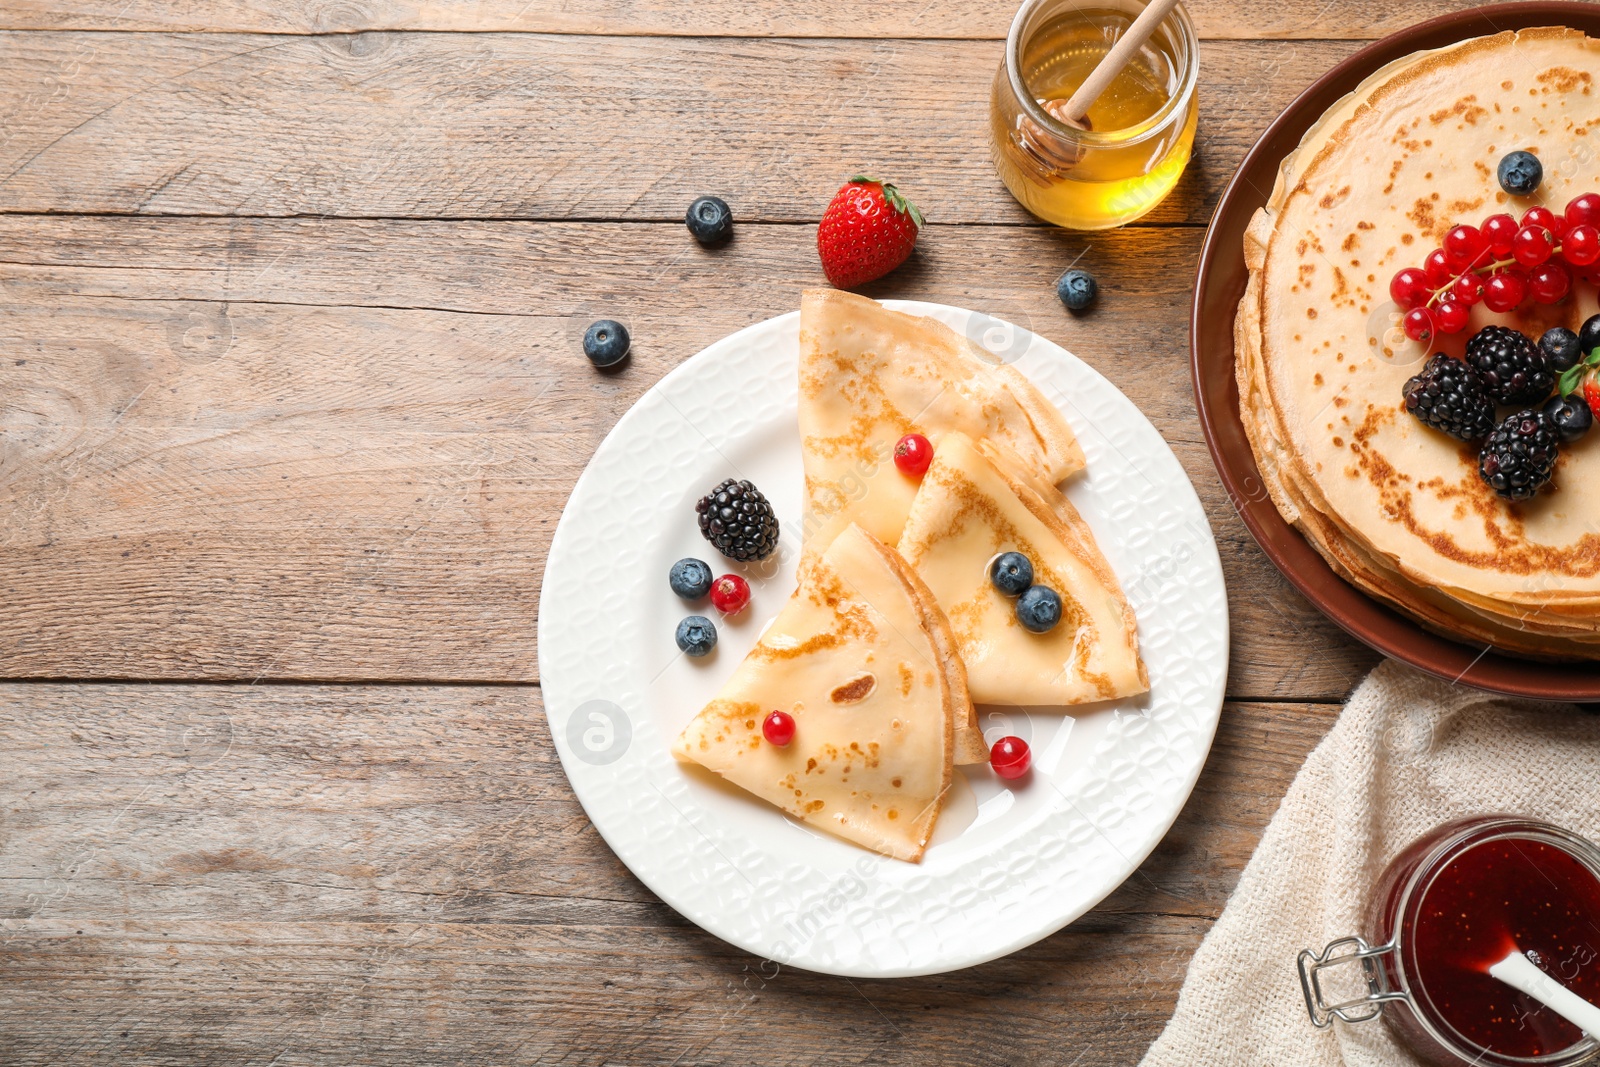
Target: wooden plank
x=824, y=18
x=553, y=127
x=240, y=448
x=374, y=804
x=319, y=873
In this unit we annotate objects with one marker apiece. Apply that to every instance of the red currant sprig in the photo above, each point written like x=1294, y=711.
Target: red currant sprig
x=1500, y=263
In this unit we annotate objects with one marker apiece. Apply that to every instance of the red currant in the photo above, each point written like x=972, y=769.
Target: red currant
x=1549, y=282
x=1462, y=245
x=1450, y=316
x=730, y=594
x=1581, y=246
x=778, y=728
x=1498, y=230
x=912, y=454
x=1532, y=246
x=1467, y=290
x=1584, y=210
x=1409, y=288
x=1539, y=216
x=1437, y=268
x=1010, y=757
x=1504, y=291
x=1418, y=324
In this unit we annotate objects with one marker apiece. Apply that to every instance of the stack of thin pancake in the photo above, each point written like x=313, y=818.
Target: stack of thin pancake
x=1396, y=507
x=895, y=628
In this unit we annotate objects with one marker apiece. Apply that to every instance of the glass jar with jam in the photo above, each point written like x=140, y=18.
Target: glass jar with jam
x=1134, y=141
x=1450, y=906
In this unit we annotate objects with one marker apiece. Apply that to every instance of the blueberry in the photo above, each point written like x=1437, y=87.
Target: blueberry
x=1560, y=348
x=709, y=220
x=1571, y=416
x=606, y=342
x=1039, y=609
x=1077, y=289
x=1589, y=335
x=1011, y=573
x=1520, y=173
x=697, y=636
x=690, y=578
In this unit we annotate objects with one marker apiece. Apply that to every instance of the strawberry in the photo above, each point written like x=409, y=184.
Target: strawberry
x=1591, y=391
x=867, y=231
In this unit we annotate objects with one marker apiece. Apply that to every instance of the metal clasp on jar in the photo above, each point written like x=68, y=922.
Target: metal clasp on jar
x=1337, y=953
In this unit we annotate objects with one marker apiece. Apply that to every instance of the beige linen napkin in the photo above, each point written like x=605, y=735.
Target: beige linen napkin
x=1407, y=753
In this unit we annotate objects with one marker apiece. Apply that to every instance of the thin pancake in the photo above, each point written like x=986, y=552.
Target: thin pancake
x=868, y=376
x=863, y=659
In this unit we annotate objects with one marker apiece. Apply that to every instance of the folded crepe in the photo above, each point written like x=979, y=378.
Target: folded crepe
x=970, y=508
x=864, y=661
x=869, y=376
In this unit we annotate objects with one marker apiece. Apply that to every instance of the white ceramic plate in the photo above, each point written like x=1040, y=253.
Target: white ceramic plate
x=1010, y=863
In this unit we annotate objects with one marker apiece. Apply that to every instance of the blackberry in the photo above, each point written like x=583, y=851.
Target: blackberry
x=1449, y=396
x=1512, y=368
x=738, y=521
x=1519, y=456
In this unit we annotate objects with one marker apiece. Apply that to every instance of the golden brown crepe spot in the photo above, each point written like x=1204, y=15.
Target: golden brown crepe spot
x=749, y=724
x=813, y=807
x=1316, y=379
x=927, y=679
x=1311, y=313
x=1338, y=442
x=893, y=814
x=1564, y=79
x=856, y=689
x=1330, y=199
x=1461, y=207
x=1466, y=109
x=895, y=782
x=1506, y=85
x=1421, y=215
x=811, y=765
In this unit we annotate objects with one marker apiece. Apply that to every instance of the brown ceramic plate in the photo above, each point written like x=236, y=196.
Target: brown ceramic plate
x=1219, y=286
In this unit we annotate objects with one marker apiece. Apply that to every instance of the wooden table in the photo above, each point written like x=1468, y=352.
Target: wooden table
x=290, y=299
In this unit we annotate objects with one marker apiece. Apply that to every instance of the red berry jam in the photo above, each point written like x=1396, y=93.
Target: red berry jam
x=1496, y=886
x=1493, y=899
x=912, y=454
x=1010, y=757
x=778, y=728
x=730, y=594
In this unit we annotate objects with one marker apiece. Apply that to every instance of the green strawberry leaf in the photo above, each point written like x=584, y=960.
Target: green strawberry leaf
x=893, y=197
x=1572, y=377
